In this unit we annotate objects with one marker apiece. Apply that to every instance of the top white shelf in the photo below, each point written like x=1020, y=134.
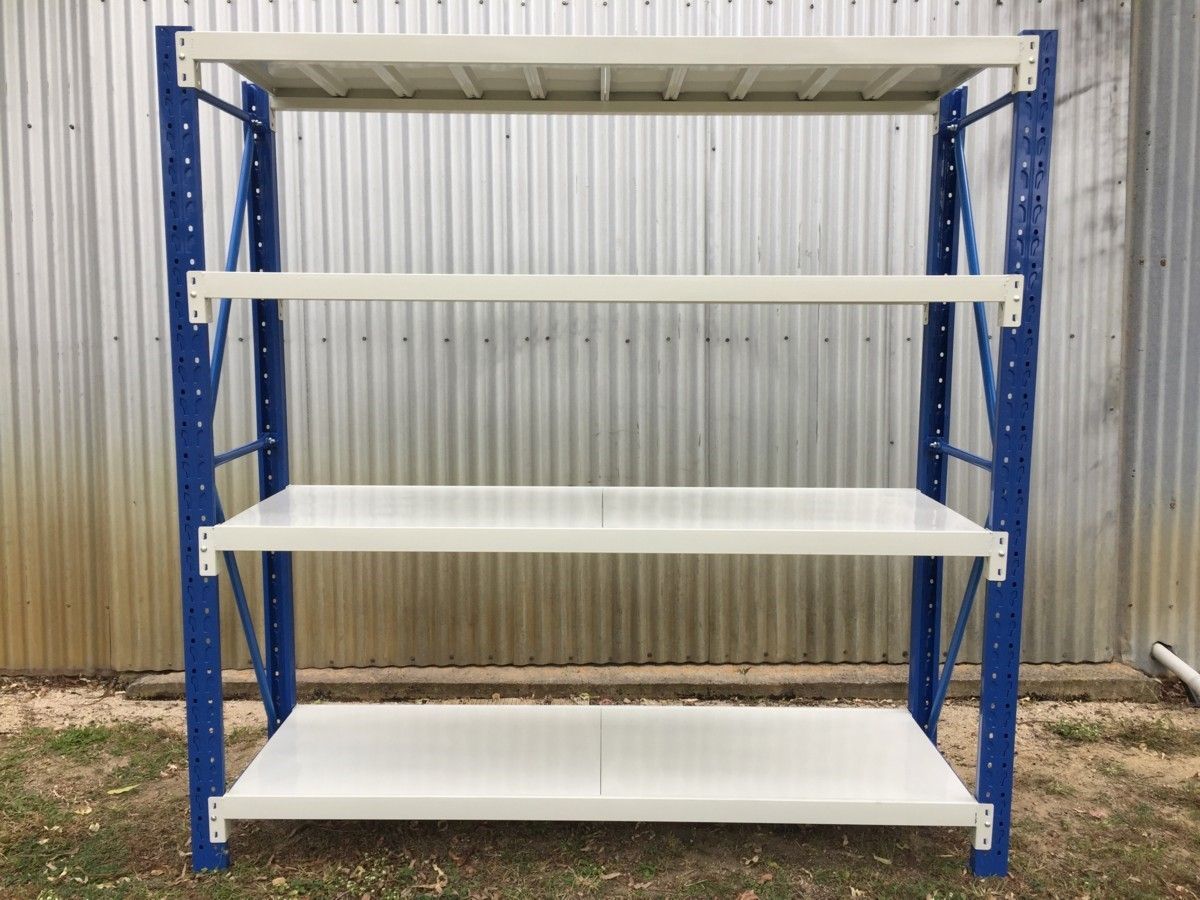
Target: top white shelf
x=606, y=74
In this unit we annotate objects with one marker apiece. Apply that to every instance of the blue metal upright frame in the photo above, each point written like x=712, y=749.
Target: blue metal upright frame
x=937, y=358
x=1009, y=396
x=196, y=379
x=270, y=395
x=1010, y=402
x=1024, y=252
x=179, y=135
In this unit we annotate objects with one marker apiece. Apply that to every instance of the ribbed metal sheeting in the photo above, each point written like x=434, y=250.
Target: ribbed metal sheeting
x=535, y=394
x=1160, y=590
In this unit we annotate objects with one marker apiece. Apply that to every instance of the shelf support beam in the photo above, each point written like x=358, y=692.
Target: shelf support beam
x=179, y=136
x=533, y=81
x=675, y=83
x=816, y=82
x=391, y=77
x=746, y=79
x=878, y=88
x=324, y=79
x=270, y=402
x=466, y=82
x=1025, y=242
x=937, y=357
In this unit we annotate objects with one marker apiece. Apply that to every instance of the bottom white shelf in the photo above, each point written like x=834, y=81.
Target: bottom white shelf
x=602, y=763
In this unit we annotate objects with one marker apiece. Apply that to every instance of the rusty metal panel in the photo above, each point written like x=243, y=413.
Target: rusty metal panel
x=523, y=393
x=1160, y=587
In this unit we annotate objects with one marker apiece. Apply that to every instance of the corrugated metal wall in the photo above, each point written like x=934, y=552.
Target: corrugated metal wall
x=1161, y=477
x=529, y=394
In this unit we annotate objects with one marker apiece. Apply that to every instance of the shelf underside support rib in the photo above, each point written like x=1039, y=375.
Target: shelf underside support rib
x=1033, y=120
x=179, y=133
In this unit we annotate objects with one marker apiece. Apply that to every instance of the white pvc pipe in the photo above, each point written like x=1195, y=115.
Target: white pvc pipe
x=1189, y=676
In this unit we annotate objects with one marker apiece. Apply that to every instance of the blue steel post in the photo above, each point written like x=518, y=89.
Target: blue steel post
x=270, y=404
x=195, y=471
x=1033, y=117
x=937, y=351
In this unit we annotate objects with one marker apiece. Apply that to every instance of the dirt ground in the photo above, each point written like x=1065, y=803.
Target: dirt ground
x=93, y=792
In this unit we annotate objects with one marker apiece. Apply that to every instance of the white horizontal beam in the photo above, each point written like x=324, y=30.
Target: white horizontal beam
x=204, y=287
x=198, y=47
x=755, y=521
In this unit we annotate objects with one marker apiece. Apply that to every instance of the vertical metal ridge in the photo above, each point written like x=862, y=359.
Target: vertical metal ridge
x=1160, y=519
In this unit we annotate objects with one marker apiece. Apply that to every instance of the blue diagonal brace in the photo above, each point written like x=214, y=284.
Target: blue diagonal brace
x=986, y=370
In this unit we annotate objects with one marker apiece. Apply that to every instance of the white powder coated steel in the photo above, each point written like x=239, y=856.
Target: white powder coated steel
x=804, y=521
x=901, y=290
x=606, y=74
x=659, y=763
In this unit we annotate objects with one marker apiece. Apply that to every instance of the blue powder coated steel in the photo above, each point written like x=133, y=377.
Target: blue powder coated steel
x=270, y=404
x=1025, y=242
x=179, y=136
x=937, y=356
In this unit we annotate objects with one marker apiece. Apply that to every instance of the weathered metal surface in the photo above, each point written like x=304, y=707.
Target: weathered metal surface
x=1159, y=596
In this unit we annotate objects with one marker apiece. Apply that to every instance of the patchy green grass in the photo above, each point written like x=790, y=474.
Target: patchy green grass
x=99, y=811
x=1159, y=733
x=1077, y=730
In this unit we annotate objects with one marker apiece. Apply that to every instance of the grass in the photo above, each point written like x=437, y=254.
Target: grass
x=68, y=828
x=1077, y=731
x=1159, y=734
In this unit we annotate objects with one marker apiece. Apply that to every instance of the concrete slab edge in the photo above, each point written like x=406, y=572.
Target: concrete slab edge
x=1086, y=681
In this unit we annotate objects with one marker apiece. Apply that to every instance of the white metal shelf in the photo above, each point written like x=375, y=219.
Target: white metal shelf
x=606, y=74
x=602, y=763
x=1006, y=290
x=674, y=520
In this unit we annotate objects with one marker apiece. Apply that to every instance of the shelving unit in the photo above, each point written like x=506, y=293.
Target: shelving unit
x=697, y=764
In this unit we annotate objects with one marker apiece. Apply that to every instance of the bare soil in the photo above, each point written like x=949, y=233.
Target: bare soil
x=93, y=793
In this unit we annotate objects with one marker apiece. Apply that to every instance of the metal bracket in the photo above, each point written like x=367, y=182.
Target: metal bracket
x=187, y=70
x=997, y=563
x=207, y=555
x=218, y=829
x=983, y=827
x=1025, y=76
x=1010, y=312
x=200, y=308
